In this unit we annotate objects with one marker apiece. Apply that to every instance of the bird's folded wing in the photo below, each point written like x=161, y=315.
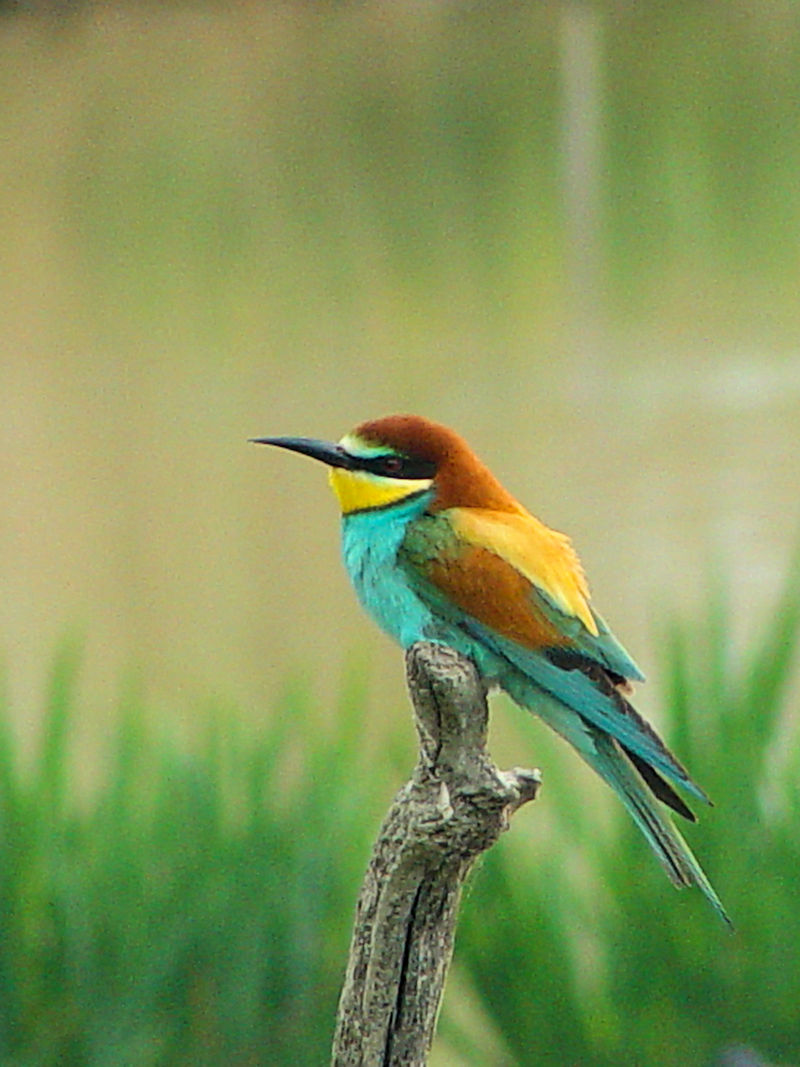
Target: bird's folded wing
x=548, y=584
x=519, y=615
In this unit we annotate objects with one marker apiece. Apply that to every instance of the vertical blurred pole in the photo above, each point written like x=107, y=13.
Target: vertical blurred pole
x=582, y=170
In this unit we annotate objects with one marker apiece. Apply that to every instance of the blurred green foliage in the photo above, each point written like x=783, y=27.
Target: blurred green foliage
x=196, y=907
x=408, y=153
x=195, y=910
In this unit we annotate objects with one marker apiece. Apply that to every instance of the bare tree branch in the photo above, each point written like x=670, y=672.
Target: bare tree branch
x=454, y=807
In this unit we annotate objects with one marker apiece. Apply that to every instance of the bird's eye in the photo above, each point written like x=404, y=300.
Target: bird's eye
x=394, y=466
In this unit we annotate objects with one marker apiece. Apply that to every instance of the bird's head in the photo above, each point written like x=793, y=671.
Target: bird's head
x=389, y=460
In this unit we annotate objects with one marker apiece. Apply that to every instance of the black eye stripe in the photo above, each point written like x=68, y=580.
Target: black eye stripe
x=395, y=466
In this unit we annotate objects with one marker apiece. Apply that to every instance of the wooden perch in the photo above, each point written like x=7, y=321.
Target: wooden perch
x=455, y=806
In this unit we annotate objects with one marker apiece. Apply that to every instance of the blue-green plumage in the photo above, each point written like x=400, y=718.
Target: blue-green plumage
x=371, y=541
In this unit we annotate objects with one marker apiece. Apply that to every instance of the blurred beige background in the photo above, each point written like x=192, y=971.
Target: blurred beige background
x=575, y=241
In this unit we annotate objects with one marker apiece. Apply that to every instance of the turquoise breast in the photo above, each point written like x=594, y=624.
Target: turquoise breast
x=370, y=541
x=370, y=544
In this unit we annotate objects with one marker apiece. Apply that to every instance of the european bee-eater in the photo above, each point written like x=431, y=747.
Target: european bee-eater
x=438, y=550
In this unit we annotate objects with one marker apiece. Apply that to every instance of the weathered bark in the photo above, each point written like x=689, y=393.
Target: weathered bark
x=454, y=807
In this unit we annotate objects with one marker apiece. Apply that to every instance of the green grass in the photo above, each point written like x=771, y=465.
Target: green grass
x=196, y=908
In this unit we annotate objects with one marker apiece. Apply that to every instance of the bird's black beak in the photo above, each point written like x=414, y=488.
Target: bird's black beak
x=325, y=451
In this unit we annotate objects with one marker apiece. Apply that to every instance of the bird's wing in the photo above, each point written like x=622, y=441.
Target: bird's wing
x=478, y=573
x=558, y=588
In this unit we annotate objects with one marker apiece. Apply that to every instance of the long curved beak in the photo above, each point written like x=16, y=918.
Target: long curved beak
x=325, y=451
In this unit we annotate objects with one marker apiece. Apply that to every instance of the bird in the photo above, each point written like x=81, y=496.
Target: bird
x=438, y=550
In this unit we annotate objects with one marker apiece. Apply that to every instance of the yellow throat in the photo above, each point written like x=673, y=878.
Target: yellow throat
x=361, y=491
